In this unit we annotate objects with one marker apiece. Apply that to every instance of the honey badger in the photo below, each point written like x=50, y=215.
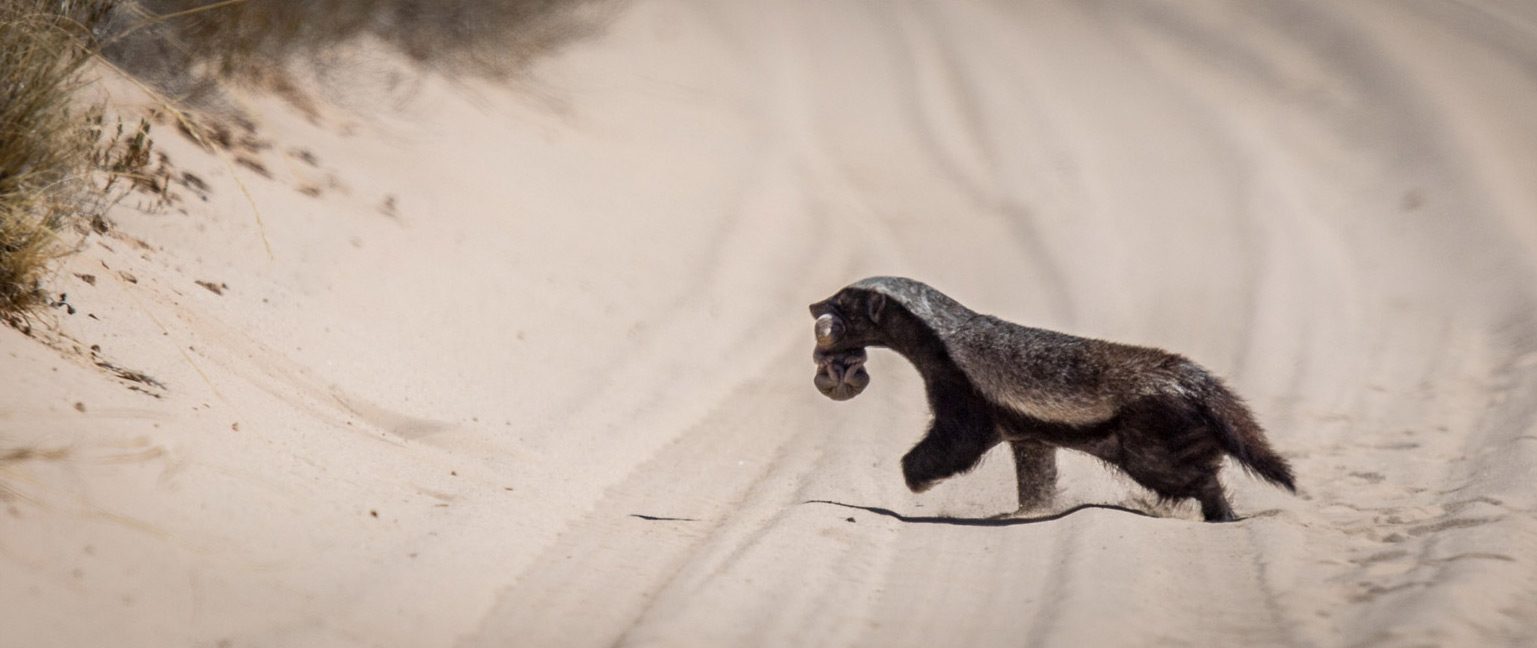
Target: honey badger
x=1157, y=416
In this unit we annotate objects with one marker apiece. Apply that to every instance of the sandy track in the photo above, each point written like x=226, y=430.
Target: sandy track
x=557, y=391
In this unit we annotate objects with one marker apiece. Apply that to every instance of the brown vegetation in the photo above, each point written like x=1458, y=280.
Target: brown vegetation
x=50, y=147
x=247, y=38
x=45, y=145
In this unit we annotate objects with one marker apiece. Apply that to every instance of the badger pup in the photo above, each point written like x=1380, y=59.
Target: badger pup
x=1157, y=416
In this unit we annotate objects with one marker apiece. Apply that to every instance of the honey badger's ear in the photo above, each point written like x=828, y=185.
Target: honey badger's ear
x=874, y=306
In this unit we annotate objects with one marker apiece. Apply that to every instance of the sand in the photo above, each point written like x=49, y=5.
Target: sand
x=529, y=364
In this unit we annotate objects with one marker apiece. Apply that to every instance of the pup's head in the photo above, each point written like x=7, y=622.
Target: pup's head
x=846, y=323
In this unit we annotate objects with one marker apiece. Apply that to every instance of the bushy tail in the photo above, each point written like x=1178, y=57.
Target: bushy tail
x=1240, y=435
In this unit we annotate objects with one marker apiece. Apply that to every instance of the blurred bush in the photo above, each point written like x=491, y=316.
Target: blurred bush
x=182, y=45
x=46, y=142
x=58, y=161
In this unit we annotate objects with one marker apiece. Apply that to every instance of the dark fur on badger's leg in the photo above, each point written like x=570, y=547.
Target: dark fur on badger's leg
x=962, y=431
x=1214, y=506
x=1035, y=473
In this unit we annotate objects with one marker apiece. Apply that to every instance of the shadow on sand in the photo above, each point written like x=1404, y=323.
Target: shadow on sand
x=998, y=521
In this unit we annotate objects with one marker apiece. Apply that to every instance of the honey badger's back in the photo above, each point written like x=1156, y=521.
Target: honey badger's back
x=1054, y=376
x=1044, y=374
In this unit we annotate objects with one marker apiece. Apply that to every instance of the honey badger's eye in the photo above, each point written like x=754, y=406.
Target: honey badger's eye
x=848, y=304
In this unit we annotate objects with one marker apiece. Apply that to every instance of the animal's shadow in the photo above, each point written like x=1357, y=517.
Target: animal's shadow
x=981, y=522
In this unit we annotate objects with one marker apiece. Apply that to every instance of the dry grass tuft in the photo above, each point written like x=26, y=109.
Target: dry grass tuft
x=186, y=46
x=51, y=149
x=45, y=144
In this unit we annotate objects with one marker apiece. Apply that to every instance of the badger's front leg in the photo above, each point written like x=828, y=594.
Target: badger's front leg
x=955, y=442
x=1035, y=469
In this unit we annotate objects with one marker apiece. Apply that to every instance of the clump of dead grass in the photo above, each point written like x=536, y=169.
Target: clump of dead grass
x=46, y=144
x=51, y=149
x=187, y=46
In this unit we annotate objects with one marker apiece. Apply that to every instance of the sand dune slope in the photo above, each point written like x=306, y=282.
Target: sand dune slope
x=529, y=366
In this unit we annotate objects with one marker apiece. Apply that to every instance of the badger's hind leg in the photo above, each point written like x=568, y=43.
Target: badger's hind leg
x=1174, y=453
x=1035, y=471
x=1214, y=506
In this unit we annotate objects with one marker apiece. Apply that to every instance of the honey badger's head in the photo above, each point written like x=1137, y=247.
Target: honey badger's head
x=846, y=323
